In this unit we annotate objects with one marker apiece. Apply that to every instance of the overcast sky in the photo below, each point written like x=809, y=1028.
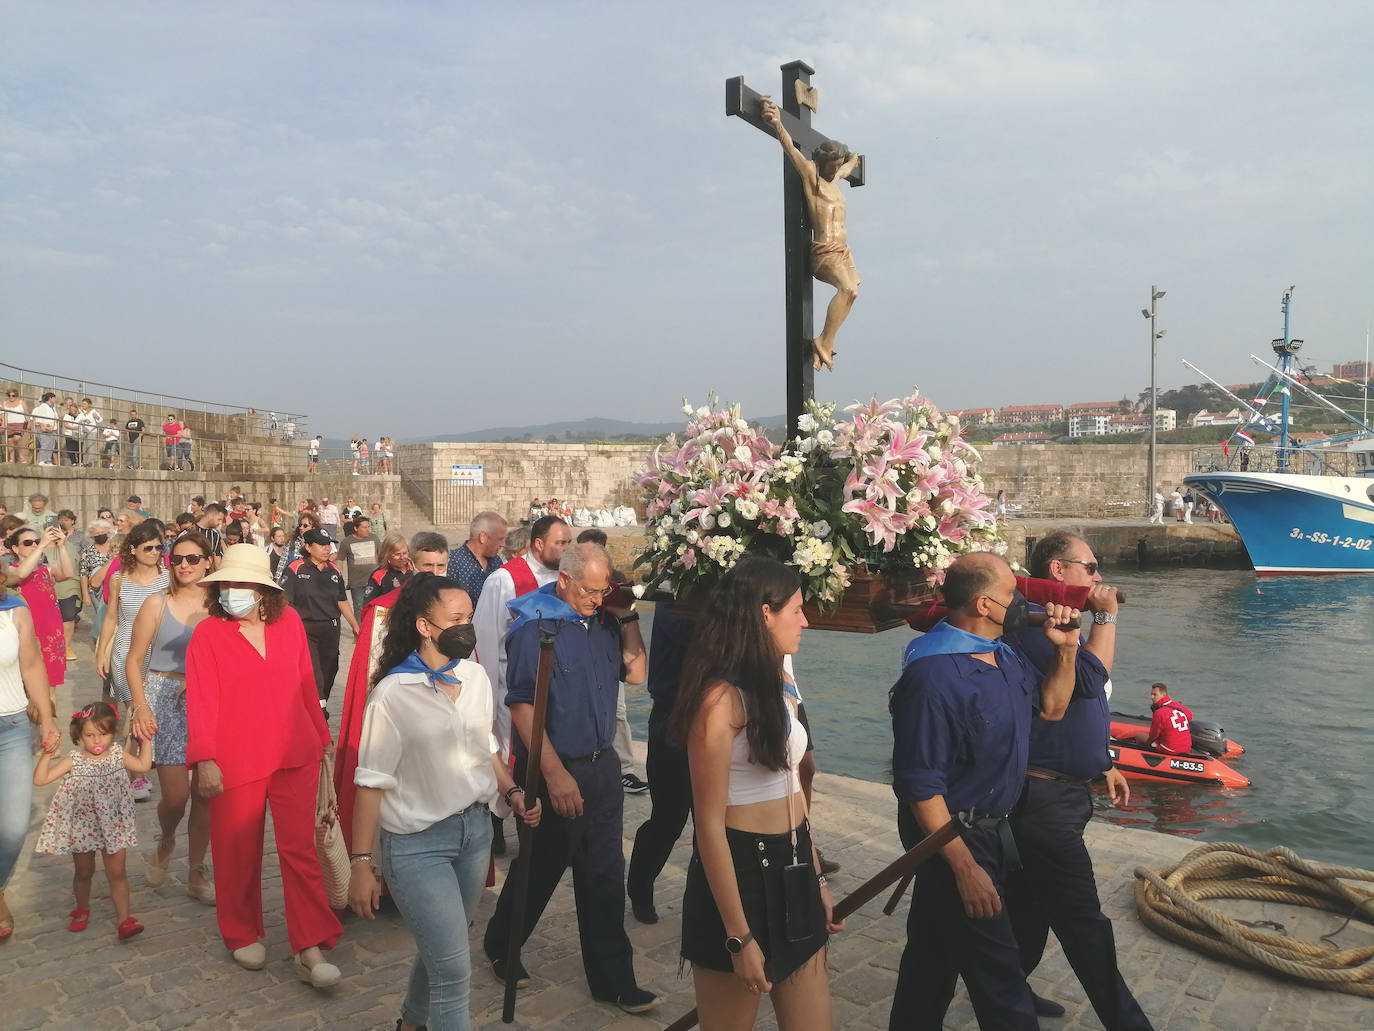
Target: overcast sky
x=414, y=218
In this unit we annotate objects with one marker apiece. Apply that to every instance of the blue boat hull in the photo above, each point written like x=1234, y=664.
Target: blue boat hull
x=1297, y=525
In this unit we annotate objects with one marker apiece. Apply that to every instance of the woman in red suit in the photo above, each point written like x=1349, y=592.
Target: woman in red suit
x=255, y=735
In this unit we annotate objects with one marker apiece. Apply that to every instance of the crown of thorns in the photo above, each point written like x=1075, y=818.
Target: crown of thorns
x=830, y=150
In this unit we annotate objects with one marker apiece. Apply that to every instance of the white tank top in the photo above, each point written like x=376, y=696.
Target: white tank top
x=752, y=782
x=12, y=696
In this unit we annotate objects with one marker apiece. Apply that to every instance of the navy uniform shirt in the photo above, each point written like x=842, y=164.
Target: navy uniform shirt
x=1075, y=746
x=584, y=687
x=667, y=653
x=313, y=592
x=961, y=729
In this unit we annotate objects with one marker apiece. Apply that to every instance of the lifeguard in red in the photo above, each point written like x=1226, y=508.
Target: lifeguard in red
x=1170, y=728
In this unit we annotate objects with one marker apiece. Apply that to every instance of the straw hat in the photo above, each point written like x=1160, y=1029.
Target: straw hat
x=246, y=564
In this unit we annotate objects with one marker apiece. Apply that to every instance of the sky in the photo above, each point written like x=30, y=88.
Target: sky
x=423, y=218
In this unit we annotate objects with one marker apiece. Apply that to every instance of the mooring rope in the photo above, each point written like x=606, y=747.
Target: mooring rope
x=1170, y=902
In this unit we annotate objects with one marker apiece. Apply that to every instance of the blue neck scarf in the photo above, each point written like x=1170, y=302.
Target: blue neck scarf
x=412, y=663
x=945, y=639
x=541, y=603
x=11, y=601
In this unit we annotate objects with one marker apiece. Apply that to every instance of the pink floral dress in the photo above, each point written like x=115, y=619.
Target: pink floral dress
x=93, y=810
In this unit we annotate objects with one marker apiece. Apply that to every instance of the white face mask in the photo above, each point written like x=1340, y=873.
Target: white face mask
x=238, y=601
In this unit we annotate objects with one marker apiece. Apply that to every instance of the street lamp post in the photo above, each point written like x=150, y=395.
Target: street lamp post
x=1150, y=313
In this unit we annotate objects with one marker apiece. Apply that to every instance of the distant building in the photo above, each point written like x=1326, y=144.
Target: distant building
x=1092, y=408
x=1014, y=414
x=1165, y=419
x=1024, y=438
x=1206, y=418
x=1353, y=370
x=976, y=416
x=1089, y=425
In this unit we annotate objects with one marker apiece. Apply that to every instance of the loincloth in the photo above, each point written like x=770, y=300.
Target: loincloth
x=830, y=258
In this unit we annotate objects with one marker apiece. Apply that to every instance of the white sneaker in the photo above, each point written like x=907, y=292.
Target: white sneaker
x=142, y=789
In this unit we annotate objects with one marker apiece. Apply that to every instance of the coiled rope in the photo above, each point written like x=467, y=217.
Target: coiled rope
x=1170, y=903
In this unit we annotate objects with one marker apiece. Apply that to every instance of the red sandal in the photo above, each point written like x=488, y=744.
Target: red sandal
x=129, y=927
x=80, y=917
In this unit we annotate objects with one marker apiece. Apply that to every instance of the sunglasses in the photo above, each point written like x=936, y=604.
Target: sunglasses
x=190, y=560
x=26, y=544
x=1091, y=567
x=148, y=548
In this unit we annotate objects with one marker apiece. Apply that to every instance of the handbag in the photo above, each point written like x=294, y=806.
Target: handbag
x=329, y=839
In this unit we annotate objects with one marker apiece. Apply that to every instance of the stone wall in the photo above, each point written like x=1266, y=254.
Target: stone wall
x=1100, y=480
x=590, y=475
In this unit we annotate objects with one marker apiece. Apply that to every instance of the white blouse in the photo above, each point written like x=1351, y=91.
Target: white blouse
x=429, y=755
x=13, y=698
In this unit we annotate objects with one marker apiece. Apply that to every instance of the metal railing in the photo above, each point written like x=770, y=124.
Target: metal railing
x=1263, y=458
x=112, y=400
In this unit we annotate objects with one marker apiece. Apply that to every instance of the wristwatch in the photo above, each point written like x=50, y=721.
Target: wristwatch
x=1100, y=618
x=735, y=946
x=633, y=617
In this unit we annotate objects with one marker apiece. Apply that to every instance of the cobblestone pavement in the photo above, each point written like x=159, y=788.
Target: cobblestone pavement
x=177, y=974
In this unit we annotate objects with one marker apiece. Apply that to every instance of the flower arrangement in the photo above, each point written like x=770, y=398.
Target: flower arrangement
x=890, y=487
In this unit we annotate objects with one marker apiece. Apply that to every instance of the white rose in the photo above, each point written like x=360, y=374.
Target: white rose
x=708, y=521
x=825, y=438
x=666, y=522
x=687, y=409
x=934, y=451
x=723, y=520
x=675, y=507
x=703, y=412
x=693, y=536
x=821, y=528
x=747, y=509
x=743, y=454
x=806, y=423
x=741, y=425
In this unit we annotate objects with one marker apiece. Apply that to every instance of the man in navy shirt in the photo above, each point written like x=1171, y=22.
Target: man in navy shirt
x=473, y=561
x=1055, y=887
x=584, y=802
x=961, y=716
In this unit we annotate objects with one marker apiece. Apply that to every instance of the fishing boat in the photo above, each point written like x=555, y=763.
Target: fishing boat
x=1301, y=508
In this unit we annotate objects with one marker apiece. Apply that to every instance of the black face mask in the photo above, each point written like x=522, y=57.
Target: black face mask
x=101, y=538
x=1017, y=614
x=457, y=641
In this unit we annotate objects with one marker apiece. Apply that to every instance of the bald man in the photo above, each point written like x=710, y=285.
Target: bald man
x=961, y=718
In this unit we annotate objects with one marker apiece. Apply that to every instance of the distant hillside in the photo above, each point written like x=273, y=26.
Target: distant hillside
x=573, y=432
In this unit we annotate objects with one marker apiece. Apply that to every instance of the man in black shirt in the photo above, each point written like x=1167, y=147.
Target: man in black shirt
x=315, y=587
x=133, y=428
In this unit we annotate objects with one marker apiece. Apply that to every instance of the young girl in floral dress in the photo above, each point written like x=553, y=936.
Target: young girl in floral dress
x=93, y=810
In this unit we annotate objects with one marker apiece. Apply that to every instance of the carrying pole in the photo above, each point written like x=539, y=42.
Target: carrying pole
x=900, y=869
x=523, y=830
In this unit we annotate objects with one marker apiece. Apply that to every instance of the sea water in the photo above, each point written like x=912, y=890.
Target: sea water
x=1283, y=665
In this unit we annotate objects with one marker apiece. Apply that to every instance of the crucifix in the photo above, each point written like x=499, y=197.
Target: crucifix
x=814, y=241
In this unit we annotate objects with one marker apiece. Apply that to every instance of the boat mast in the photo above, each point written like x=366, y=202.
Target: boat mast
x=1285, y=349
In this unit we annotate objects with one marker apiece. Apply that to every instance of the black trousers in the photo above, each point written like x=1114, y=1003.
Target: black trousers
x=592, y=845
x=322, y=635
x=1055, y=889
x=670, y=796
x=943, y=945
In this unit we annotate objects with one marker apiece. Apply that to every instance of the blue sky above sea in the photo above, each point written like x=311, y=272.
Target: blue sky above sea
x=428, y=218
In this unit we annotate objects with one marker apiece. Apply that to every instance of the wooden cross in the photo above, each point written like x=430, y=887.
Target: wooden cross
x=744, y=102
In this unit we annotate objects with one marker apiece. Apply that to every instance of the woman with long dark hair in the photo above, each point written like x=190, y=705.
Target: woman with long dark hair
x=756, y=911
x=428, y=770
x=26, y=569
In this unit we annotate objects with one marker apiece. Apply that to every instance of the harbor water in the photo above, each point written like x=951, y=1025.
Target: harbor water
x=1283, y=665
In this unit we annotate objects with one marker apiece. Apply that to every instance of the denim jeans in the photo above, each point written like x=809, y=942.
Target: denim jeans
x=16, y=788
x=436, y=877
x=47, y=446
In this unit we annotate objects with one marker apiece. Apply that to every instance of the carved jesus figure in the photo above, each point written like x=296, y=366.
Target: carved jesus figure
x=831, y=260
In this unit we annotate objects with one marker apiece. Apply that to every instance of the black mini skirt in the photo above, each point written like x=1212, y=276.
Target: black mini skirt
x=759, y=860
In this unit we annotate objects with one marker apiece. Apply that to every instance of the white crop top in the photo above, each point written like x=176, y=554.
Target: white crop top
x=752, y=782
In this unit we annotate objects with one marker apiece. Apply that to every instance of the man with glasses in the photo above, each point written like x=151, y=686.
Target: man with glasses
x=1055, y=887
x=961, y=718
x=595, y=647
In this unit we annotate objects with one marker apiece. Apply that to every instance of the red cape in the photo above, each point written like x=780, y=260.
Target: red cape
x=351, y=721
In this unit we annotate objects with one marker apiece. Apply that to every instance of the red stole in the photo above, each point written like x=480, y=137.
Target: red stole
x=521, y=575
